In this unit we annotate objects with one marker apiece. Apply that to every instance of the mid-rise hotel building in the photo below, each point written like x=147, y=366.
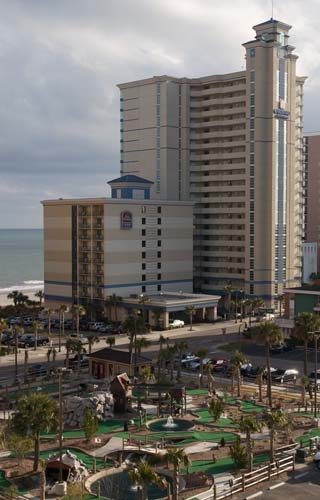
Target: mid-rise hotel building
x=232, y=144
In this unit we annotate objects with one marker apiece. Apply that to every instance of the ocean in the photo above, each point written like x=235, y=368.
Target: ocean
x=21, y=260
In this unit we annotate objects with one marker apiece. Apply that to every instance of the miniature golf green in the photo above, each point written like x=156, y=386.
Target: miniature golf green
x=304, y=439
x=104, y=428
x=119, y=485
x=84, y=457
x=222, y=465
x=197, y=392
x=4, y=483
x=206, y=418
x=186, y=437
x=251, y=407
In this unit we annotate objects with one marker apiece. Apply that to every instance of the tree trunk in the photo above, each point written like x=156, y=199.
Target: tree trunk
x=260, y=390
x=303, y=395
x=238, y=382
x=36, y=452
x=249, y=451
x=190, y=323
x=176, y=483
x=269, y=386
x=232, y=383
x=305, y=358
x=201, y=372
x=67, y=358
x=179, y=367
x=272, y=445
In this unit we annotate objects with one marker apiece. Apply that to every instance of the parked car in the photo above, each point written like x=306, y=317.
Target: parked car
x=6, y=338
x=176, y=323
x=84, y=361
x=218, y=364
x=313, y=379
x=281, y=376
x=84, y=340
x=185, y=363
x=95, y=325
x=105, y=328
x=195, y=364
x=249, y=371
x=285, y=347
x=37, y=370
x=30, y=341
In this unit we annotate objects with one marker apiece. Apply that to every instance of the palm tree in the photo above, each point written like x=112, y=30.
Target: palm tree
x=17, y=330
x=180, y=349
x=202, y=353
x=190, y=311
x=34, y=414
x=78, y=310
x=269, y=333
x=280, y=299
x=236, y=362
x=40, y=296
x=92, y=339
x=305, y=325
x=304, y=384
x=112, y=302
x=14, y=295
x=25, y=365
x=37, y=325
x=143, y=300
x=140, y=344
x=142, y=475
x=133, y=325
x=170, y=356
x=49, y=313
x=63, y=309
x=178, y=458
x=215, y=408
x=157, y=315
x=275, y=421
x=259, y=382
x=111, y=341
x=228, y=290
x=3, y=327
x=249, y=425
x=257, y=303
x=73, y=346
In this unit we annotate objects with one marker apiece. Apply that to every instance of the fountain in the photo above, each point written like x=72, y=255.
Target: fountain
x=170, y=423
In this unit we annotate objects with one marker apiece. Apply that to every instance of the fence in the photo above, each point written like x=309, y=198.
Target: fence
x=285, y=462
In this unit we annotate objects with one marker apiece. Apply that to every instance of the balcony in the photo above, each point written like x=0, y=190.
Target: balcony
x=98, y=236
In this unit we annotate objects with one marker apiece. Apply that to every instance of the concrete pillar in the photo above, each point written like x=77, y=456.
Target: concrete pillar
x=212, y=313
x=165, y=319
x=203, y=314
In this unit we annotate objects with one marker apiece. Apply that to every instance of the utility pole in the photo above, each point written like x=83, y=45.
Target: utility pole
x=60, y=426
x=315, y=372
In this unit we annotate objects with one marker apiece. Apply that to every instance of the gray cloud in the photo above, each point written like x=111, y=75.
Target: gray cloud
x=60, y=63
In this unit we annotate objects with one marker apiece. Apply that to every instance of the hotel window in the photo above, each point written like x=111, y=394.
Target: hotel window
x=143, y=266
x=143, y=232
x=143, y=220
x=159, y=276
x=159, y=255
x=159, y=288
x=159, y=243
x=159, y=232
x=143, y=255
x=159, y=220
x=143, y=243
x=143, y=277
x=143, y=289
x=159, y=210
x=159, y=265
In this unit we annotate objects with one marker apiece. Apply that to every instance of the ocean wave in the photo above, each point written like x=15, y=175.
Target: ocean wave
x=34, y=282
x=22, y=288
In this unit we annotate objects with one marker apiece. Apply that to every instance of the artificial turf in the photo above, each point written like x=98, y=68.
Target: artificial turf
x=304, y=439
x=197, y=392
x=192, y=436
x=206, y=418
x=222, y=465
x=104, y=428
x=84, y=457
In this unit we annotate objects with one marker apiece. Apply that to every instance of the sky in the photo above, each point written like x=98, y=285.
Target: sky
x=60, y=62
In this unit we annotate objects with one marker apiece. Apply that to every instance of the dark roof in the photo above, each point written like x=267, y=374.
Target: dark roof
x=118, y=356
x=130, y=178
x=306, y=288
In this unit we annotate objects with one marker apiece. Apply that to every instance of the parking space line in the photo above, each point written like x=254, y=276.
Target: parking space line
x=255, y=495
x=274, y=486
x=302, y=474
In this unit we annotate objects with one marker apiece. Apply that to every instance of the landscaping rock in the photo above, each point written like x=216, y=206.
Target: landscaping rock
x=101, y=405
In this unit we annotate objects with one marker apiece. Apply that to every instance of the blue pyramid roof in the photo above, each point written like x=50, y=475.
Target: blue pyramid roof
x=130, y=178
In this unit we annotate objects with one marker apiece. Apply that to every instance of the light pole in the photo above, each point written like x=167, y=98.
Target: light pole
x=60, y=425
x=316, y=333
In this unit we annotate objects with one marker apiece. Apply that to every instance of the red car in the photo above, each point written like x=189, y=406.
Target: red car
x=219, y=364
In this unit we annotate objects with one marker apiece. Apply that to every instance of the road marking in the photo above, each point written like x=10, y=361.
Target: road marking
x=302, y=474
x=255, y=495
x=276, y=486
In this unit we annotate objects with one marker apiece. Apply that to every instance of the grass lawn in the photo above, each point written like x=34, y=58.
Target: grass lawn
x=86, y=459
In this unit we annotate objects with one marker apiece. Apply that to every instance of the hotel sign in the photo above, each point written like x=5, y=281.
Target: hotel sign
x=126, y=220
x=281, y=113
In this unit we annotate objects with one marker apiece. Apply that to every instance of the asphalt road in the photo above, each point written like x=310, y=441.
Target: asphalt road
x=209, y=336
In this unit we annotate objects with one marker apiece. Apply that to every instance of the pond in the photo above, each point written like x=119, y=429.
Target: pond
x=119, y=486
x=170, y=425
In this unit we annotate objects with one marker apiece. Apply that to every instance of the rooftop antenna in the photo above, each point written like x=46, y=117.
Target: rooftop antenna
x=272, y=8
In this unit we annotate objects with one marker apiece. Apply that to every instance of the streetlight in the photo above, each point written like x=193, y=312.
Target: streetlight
x=316, y=333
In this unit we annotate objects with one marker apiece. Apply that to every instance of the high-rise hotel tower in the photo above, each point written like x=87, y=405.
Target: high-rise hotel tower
x=233, y=144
